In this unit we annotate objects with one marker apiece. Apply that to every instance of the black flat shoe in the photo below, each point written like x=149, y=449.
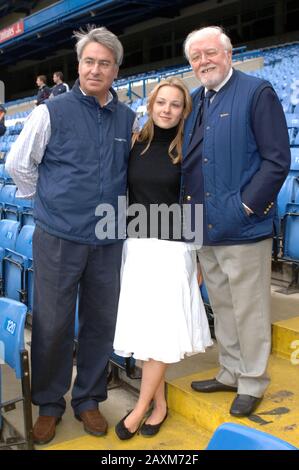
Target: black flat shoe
x=152, y=429
x=122, y=432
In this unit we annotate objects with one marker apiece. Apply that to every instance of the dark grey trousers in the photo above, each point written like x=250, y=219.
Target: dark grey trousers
x=60, y=266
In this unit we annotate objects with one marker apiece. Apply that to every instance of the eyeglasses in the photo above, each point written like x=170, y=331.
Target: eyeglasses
x=208, y=53
x=103, y=64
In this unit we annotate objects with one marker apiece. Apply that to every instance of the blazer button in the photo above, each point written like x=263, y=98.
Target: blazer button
x=188, y=198
x=208, y=194
x=265, y=212
x=210, y=226
x=205, y=160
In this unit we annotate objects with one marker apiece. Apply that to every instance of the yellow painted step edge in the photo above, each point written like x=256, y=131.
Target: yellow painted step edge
x=285, y=339
x=209, y=410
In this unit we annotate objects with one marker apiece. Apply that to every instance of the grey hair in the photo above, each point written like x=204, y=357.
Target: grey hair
x=198, y=33
x=101, y=36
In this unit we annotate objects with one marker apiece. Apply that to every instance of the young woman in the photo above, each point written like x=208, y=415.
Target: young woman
x=161, y=316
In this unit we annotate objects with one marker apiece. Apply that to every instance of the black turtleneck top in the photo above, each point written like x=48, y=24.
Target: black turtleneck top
x=153, y=180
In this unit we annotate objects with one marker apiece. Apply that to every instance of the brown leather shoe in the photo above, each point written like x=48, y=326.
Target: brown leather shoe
x=94, y=423
x=44, y=429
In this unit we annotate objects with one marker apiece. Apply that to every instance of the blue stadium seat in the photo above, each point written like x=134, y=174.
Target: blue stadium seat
x=9, y=230
x=8, y=203
x=16, y=264
x=232, y=436
x=289, y=190
x=208, y=308
x=5, y=178
x=204, y=293
x=291, y=233
x=293, y=125
x=25, y=211
x=14, y=354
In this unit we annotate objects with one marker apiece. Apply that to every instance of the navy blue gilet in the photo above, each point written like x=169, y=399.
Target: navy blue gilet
x=84, y=166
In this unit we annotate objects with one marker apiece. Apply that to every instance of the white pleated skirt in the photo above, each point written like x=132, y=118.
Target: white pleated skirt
x=161, y=315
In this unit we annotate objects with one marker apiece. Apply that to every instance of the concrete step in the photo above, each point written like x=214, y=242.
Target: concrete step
x=285, y=339
x=277, y=414
x=175, y=434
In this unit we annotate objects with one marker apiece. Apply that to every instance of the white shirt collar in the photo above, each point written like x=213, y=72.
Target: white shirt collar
x=218, y=87
x=109, y=96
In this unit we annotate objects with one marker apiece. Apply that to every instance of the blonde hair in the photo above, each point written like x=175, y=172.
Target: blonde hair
x=147, y=132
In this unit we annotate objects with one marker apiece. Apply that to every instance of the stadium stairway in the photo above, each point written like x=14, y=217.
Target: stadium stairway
x=193, y=416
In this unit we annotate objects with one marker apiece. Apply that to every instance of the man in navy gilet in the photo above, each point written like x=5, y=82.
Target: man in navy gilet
x=72, y=157
x=236, y=157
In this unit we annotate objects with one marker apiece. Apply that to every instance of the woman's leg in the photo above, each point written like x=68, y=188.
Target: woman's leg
x=152, y=376
x=160, y=405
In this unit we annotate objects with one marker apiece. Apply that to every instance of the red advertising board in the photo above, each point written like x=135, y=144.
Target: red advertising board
x=11, y=31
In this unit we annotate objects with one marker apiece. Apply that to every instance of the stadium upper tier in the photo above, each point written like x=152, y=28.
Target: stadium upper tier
x=52, y=27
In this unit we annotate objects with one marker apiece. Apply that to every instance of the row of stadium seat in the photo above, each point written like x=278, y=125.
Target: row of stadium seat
x=16, y=273
x=14, y=208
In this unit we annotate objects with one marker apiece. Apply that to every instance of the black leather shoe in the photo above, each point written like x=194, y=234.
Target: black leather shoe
x=122, y=432
x=212, y=385
x=244, y=405
x=152, y=429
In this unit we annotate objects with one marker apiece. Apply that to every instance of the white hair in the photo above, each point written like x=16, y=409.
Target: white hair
x=210, y=30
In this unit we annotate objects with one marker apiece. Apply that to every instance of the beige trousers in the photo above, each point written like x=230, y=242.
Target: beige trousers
x=238, y=279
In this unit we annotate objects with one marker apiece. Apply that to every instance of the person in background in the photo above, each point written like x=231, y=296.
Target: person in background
x=236, y=157
x=72, y=157
x=161, y=316
x=59, y=86
x=43, y=90
x=2, y=120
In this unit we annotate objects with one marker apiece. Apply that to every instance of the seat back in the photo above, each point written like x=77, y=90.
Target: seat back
x=291, y=233
x=8, y=194
x=287, y=193
x=24, y=241
x=232, y=436
x=289, y=190
x=9, y=230
x=16, y=264
x=12, y=323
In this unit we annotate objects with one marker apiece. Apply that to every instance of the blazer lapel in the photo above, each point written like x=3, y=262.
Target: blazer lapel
x=189, y=142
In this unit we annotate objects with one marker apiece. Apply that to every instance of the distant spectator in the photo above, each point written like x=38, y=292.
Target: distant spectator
x=59, y=86
x=2, y=124
x=44, y=91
